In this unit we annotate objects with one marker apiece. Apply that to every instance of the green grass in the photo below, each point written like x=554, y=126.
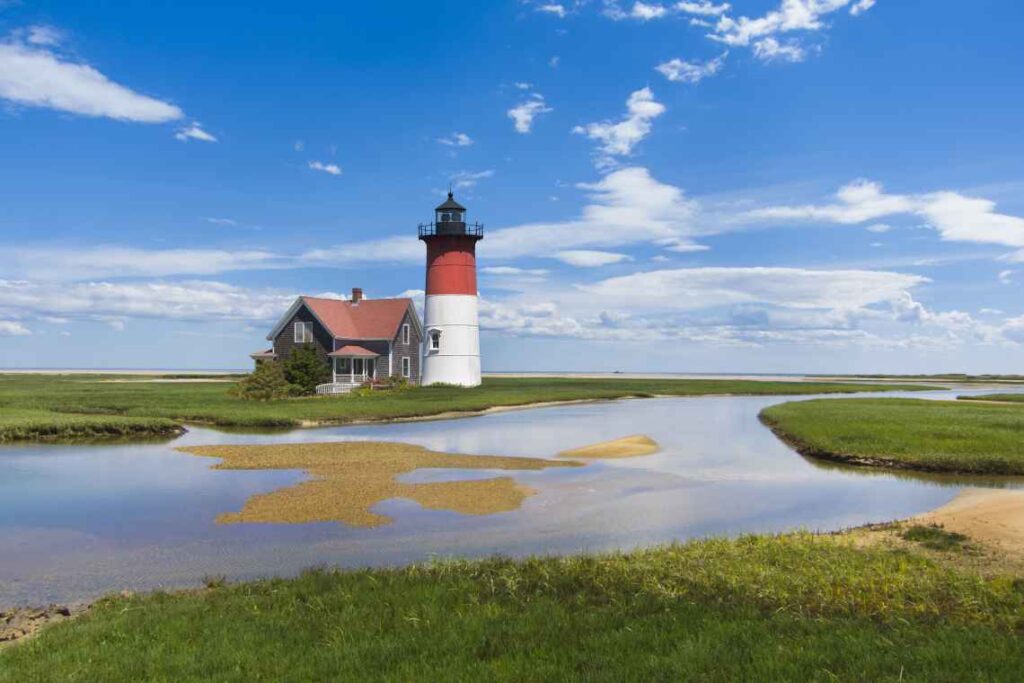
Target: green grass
x=935, y=538
x=938, y=436
x=46, y=405
x=791, y=608
x=1002, y=398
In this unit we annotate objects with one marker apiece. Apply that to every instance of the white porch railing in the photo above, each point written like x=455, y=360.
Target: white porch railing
x=334, y=388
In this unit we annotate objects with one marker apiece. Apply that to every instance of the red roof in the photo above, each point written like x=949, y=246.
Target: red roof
x=352, y=350
x=369, y=319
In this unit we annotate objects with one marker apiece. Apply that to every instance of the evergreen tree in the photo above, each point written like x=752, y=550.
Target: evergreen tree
x=305, y=370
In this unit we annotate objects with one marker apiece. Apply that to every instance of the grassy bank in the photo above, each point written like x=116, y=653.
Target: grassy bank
x=938, y=436
x=17, y=424
x=1001, y=398
x=60, y=400
x=787, y=608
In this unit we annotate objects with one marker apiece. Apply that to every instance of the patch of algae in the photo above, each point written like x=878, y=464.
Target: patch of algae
x=627, y=447
x=349, y=478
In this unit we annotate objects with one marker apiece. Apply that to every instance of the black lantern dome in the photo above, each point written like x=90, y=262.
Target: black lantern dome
x=450, y=219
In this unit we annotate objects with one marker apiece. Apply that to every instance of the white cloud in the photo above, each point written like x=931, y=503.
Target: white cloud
x=861, y=7
x=12, y=328
x=879, y=228
x=456, y=140
x=583, y=258
x=61, y=263
x=1006, y=276
x=770, y=50
x=112, y=303
x=703, y=8
x=554, y=62
x=619, y=139
x=222, y=221
x=682, y=71
x=626, y=206
x=791, y=15
x=700, y=288
x=44, y=35
x=956, y=217
x=512, y=270
x=194, y=132
x=523, y=86
x=467, y=179
x=33, y=76
x=331, y=169
x=553, y=9
x=525, y=112
x=646, y=12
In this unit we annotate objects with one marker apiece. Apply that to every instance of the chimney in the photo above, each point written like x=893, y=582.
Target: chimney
x=357, y=294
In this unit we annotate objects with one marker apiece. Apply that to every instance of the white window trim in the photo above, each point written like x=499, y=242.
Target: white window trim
x=299, y=334
x=405, y=333
x=431, y=336
x=406, y=367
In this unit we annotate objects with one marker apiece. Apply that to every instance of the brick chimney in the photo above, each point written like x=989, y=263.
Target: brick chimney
x=357, y=294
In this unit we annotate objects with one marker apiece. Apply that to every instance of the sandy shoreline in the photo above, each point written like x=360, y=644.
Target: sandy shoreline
x=994, y=517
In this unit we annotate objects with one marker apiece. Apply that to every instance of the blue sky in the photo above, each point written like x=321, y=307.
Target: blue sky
x=761, y=186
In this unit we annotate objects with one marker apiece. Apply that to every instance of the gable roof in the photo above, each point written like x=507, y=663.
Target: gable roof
x=368, y=319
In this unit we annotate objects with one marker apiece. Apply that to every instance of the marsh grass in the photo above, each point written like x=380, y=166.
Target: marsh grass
x=934, y=537
x=1001, y=398
x=938, y=436
x=55, y=406
x=794, y=607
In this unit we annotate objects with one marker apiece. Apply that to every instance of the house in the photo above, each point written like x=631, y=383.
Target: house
x=359, y=339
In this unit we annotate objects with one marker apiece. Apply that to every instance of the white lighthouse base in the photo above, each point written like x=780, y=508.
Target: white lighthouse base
x=457, y=358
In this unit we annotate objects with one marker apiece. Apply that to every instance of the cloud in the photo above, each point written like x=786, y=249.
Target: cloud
x=646, y=12
x=956, y=217
x=770, y=50
x=861, y=7
x=619, y=139
x=681, y=71
x=31, y=75
x=222, y=221
x=61, y=263
x=12, y=328
x=43, y=35
x=553, y=9
x=703, y=8
x=467, y=179
x=456, y=140
x=194, y=132
x=700, y=288
x=1006, y=276
x=626, y=206
x=113, y=302
x=523, y=86
x=582, y=258
x=331, y=169
x=879, y=228
x=525, y=112
x=512, y=270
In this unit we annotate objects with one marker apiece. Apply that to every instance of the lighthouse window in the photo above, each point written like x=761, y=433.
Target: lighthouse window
x=435, y=340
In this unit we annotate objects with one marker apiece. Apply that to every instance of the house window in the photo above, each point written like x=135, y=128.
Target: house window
x=406, y=366
x=303, y=333
x=405, y=334
x=435, y=340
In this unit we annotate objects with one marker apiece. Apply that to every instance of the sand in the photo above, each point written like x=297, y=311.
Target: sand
x=991, y=516
x=626, y=447
x=349, y=478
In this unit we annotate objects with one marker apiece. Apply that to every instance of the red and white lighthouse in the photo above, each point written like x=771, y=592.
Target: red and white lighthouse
x=451, y=348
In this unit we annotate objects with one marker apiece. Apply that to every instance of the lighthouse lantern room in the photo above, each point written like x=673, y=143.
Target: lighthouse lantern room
x=451, y=353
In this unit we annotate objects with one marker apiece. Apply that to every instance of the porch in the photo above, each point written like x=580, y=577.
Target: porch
x=351, y=366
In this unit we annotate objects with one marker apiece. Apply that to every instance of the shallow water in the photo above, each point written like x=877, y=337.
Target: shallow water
x=80, y=521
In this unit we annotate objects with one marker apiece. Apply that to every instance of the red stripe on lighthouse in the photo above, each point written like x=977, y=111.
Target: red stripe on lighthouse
x=451, y=265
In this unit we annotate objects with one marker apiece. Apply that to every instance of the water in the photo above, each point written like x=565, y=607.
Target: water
x=80, y=521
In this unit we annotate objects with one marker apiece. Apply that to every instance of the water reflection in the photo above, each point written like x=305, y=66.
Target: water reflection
x=77, y=521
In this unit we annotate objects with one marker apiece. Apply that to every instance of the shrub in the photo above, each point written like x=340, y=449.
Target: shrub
x=305, y=370
x=265, y=383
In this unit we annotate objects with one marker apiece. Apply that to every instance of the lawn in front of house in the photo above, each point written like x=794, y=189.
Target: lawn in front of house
x=792, y=608
x=105, y=402
x=938, y=436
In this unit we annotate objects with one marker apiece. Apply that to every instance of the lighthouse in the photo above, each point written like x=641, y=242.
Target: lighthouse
x=451, y=346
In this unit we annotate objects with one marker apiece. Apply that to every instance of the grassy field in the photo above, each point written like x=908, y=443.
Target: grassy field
x=793, y=608
x=1002, y=398
x=34, y=406
x=938, y=436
